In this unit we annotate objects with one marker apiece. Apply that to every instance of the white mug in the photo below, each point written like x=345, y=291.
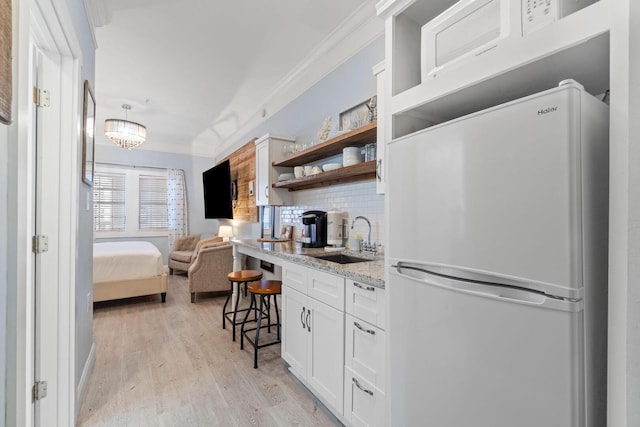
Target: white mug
x=298, y=171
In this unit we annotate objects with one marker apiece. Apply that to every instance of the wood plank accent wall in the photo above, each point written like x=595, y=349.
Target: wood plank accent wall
x=5, y=61
x=243, y=169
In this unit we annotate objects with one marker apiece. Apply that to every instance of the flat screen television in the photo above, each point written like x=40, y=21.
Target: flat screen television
x=218, y=191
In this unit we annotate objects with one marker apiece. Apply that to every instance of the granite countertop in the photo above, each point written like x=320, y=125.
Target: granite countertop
x=369, y=272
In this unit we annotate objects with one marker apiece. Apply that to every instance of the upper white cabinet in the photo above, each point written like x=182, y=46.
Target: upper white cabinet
x=270, y=149
x=576, y=46
x=381, y=137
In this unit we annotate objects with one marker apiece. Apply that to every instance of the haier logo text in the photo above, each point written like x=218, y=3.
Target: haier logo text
x=547, y=110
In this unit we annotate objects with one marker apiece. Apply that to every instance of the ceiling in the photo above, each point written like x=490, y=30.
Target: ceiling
x=200, y=72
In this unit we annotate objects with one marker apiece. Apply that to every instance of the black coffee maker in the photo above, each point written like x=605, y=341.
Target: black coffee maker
x=314, y=229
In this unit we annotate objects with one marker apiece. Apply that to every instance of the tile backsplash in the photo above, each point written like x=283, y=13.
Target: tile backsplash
x=355, y=199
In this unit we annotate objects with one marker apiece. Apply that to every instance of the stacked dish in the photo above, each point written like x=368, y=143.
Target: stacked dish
x=351, y=156
x=331, y=166
x=285, y=176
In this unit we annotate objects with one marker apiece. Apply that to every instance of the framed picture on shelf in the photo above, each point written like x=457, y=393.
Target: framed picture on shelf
x=88, y=132
x=287, y=232
x=357, y=116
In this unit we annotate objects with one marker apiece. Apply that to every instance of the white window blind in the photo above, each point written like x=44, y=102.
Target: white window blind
x=153, y=214
x=108, y=202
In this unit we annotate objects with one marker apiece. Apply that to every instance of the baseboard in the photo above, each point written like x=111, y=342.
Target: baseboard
x=303, y=382
x=81, y=390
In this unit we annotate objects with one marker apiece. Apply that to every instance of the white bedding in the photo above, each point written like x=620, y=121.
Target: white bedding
x=113, y=261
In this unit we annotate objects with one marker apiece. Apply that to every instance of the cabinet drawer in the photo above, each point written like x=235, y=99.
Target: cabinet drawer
x=365, y=350
x=327, y=288
x=295, y=276
x=364, y=404
x=366, y=302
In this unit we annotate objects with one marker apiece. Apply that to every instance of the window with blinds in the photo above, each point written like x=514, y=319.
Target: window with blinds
x=152, y=206
x=109, y=197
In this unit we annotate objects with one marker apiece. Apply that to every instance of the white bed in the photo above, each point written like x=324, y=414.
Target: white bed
x=127, y=269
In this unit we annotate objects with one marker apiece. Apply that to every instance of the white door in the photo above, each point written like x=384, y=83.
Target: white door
x=295, y=313
x=325, y=369
x=47, y=261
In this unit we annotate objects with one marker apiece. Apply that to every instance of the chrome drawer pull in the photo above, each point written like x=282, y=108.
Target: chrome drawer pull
x=369, y=331
x=366, y=288
x=355, y=381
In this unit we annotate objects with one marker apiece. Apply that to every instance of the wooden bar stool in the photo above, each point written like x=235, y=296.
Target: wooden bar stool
x=265, y=289
x=237, y=277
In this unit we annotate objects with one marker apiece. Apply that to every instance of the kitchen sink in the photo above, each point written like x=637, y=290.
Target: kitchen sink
x=341, y=258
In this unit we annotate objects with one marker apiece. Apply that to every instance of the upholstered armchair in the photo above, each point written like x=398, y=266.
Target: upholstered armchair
x=209, y=270
x=185, y=250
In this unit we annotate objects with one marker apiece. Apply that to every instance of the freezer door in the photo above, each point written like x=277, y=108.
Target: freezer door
x=496, y=192
x=464, y=358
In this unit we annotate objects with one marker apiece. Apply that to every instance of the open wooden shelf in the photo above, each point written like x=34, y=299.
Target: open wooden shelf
x=355, y=138
x=359, y=172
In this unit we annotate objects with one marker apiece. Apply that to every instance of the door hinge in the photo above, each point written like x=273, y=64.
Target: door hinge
x=39, y=244
x=41, y=97
x=39, y=390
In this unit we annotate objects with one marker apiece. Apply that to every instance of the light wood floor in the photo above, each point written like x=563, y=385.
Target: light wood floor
x=173, y=365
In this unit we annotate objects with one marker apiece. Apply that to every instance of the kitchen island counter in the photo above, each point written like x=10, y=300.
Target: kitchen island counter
x=369, y=272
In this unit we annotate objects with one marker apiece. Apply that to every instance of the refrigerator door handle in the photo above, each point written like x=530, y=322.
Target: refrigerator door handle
x=486, y=289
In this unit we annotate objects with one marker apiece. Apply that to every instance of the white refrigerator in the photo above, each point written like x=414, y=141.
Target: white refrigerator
x=497, y=260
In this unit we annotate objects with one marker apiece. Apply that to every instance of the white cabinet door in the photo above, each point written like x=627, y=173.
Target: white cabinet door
x=366, y=302
x=262, y=174
x=365, y=347
x=378, y=71
x=325, y=356
x=364, y=404
x=295, y=276
x=326, y=288
x=295, y=313
x=269, y=149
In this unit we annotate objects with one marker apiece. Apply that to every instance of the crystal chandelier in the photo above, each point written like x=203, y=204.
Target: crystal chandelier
x=124, y=133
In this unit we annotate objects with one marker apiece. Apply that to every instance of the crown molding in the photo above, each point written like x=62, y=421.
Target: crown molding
x=354, y=33
x=386, y=8
x=98, y=14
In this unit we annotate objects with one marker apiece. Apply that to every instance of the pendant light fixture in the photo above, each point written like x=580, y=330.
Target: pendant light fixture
x=124, y=133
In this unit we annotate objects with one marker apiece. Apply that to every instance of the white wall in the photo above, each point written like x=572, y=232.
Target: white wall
x=348, y=85
x=624, y=248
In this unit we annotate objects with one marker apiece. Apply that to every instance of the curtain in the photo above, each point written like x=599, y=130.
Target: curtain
x=178, y=214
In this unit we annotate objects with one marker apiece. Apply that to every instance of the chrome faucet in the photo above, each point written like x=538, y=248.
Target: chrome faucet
x=368, y=223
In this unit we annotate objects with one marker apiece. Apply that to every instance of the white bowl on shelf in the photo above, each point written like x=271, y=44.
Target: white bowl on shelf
x=331, y=166
x=350, y=161
x=286, y=176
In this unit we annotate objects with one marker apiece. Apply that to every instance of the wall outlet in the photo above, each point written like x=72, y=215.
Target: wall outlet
x=251, y=188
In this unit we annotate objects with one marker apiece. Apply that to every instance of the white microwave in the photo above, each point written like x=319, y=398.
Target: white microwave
x=471, y=28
